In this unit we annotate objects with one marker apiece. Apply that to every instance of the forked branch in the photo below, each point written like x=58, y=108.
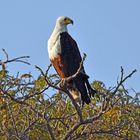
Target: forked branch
x=17, y=59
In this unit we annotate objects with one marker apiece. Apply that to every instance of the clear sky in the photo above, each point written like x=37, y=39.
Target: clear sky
x=108, y=31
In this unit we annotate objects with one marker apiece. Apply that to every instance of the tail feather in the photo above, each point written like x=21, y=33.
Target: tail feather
x=91, y=91
x=80, y=85
x=78, y=90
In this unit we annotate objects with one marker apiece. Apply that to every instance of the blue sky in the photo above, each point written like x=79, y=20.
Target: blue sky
x=108, y=31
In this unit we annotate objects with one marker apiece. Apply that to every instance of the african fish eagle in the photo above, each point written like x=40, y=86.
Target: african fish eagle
x=65, y=57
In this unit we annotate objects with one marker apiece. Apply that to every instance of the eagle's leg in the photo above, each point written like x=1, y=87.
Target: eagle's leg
x=63, y=82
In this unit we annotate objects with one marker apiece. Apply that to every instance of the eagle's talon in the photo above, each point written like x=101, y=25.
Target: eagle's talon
x=63, y=82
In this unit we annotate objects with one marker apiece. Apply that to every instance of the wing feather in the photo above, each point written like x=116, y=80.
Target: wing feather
x=70, y=54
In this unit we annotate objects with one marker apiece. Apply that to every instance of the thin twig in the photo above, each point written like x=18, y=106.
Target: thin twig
x=123, y=79
x=17, y=59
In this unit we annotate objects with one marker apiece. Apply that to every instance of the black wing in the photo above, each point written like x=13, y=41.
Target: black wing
x=70, y=54
x=70, y=59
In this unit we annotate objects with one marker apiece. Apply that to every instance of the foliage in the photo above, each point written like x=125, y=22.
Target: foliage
x=28, y=112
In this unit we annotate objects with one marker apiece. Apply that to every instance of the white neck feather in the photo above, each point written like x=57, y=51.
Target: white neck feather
x=54, y=47
x=59, y=29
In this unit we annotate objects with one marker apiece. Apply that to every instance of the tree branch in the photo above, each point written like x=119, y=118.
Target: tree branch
x=17, y=59
x=123, y=79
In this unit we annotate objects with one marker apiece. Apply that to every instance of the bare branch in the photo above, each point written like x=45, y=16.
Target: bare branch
x=17, y=59
x=6, y=54
x=123, y=79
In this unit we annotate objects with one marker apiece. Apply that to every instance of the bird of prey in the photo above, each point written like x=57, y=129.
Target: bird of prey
x=65, y=57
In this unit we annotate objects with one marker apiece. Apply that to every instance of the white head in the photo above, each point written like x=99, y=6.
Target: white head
x=54, y=47
x=63, y=21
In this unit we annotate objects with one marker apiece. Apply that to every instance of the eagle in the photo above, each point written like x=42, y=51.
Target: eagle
x=66, y=59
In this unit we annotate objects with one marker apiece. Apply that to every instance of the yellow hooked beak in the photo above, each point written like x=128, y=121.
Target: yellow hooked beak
x=68, y=21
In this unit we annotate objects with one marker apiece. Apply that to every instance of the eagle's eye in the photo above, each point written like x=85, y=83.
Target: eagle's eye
x=65, y=19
